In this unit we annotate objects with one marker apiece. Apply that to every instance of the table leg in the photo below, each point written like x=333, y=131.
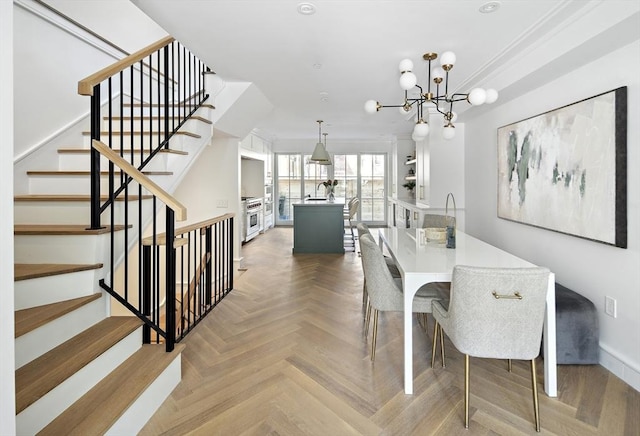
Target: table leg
x=408, y=341
x=550, y=359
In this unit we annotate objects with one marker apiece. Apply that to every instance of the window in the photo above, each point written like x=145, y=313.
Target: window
x=361, y=175
x=289, y=168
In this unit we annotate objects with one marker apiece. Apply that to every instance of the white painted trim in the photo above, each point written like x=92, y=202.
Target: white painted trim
x=72, y=29
x=617, y=365
x=49, y=138
x=137, y=415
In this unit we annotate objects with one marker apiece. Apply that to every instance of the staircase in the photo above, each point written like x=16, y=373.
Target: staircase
x=80, y=370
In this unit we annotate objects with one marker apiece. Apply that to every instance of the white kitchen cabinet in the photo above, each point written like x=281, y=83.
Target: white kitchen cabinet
x=423, y=188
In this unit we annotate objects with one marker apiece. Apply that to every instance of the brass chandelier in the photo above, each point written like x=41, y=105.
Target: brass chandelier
x=441, y=101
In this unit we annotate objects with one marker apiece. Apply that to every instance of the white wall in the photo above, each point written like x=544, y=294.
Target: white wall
x=212, y=186
x=590, y=268
x=7, y=366
x=46, y=98
x=252, y=178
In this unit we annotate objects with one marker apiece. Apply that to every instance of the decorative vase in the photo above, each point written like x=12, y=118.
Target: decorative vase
x=330, y=195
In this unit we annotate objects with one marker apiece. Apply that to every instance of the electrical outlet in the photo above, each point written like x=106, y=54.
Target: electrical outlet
x=610, y=306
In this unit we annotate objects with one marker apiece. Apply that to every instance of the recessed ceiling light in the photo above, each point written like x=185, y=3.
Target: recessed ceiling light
x=306, y=8
x=317, y=66
x=489, y=7
x=324, y=96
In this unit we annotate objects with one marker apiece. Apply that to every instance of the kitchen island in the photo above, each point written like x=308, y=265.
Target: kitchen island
x=318, y=226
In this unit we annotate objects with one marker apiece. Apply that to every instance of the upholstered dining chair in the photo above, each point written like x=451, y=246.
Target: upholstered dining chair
x=433, y=220
x=349, y=216
x=495, y=313
x=383, y=291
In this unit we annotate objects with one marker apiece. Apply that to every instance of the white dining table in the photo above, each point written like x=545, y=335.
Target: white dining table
x=421, y=263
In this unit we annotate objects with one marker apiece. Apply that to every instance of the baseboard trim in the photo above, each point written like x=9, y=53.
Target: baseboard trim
x=617, y=365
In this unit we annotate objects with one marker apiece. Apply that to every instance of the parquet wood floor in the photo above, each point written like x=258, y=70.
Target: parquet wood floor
x=284, y=354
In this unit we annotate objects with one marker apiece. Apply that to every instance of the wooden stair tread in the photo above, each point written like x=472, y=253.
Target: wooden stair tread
x=71, y=197
x=97, y=410
x=64, y=229
x=40, y=376
x=135, y=151
x=88, y=173
x=128, y=133
x=27, y=320
x=26, y=271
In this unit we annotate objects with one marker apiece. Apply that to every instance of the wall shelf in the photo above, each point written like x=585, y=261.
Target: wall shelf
x=410, y=162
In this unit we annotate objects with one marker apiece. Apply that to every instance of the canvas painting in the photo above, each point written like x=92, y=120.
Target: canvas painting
x=565, y=170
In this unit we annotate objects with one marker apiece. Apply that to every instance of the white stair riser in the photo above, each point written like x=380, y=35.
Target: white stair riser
x=155, y=111
x=74, y=185
x=39, y=341
x=82, y=162
x=176, y=143
x=132, y=421
x=46, y=409
x=64, y=248
x=59, y=287
x=72, y=212
x=149, y=125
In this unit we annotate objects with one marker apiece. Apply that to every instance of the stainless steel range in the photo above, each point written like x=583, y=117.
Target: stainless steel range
x=253, y=217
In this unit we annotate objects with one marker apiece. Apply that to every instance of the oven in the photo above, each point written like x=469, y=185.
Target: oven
x=253, y=218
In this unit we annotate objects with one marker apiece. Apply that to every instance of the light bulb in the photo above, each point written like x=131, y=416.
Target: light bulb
x=405, y=65
x=421, y=129
x=408, y=80
x=492, y=95
x=449, y=131
x=417, y=138
x=371, y=106
x=477, y=96
x=448, y=58
x=437, y=74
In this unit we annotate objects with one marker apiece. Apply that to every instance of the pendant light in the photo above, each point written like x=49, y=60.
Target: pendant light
x=325, y=162
x=320, y=154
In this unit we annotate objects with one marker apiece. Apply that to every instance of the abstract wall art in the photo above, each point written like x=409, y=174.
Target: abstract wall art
x=566, y=170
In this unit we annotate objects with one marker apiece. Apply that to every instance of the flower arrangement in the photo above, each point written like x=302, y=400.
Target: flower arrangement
x=409, y=185
x=329, y=183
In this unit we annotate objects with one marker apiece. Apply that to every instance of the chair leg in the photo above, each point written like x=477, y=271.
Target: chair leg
x=364, y=293
x=367, y=320
x=442, y=346
x=509, y=367
x=466, y=391
x=375, y=334
x=534, y=385
x=434, y=343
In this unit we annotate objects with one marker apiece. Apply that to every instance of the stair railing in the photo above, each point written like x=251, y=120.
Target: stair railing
x=148, y=97
x=165, y=78
x=204, y=274
x=197, y=258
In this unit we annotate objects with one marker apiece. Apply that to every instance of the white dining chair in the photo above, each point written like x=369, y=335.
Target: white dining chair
x=494, y=313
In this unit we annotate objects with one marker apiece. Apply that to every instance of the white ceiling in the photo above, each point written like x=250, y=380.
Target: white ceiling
x=350, y=50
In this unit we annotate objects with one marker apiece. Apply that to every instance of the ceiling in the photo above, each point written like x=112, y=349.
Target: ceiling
x=326, y=65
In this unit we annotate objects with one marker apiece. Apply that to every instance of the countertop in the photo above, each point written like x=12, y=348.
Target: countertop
x=320, y=202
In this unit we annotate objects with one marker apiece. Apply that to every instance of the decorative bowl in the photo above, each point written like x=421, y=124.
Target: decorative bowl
x=436, y=234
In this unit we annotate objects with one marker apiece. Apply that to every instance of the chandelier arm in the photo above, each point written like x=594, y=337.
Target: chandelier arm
x=458, y=97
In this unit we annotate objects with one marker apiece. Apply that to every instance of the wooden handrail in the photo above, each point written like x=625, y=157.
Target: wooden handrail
x=85, y=86
x=200, y=225
x=146, y=182
x=203, y=224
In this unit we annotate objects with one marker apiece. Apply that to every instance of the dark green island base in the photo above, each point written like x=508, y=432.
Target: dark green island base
x=318, y=226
